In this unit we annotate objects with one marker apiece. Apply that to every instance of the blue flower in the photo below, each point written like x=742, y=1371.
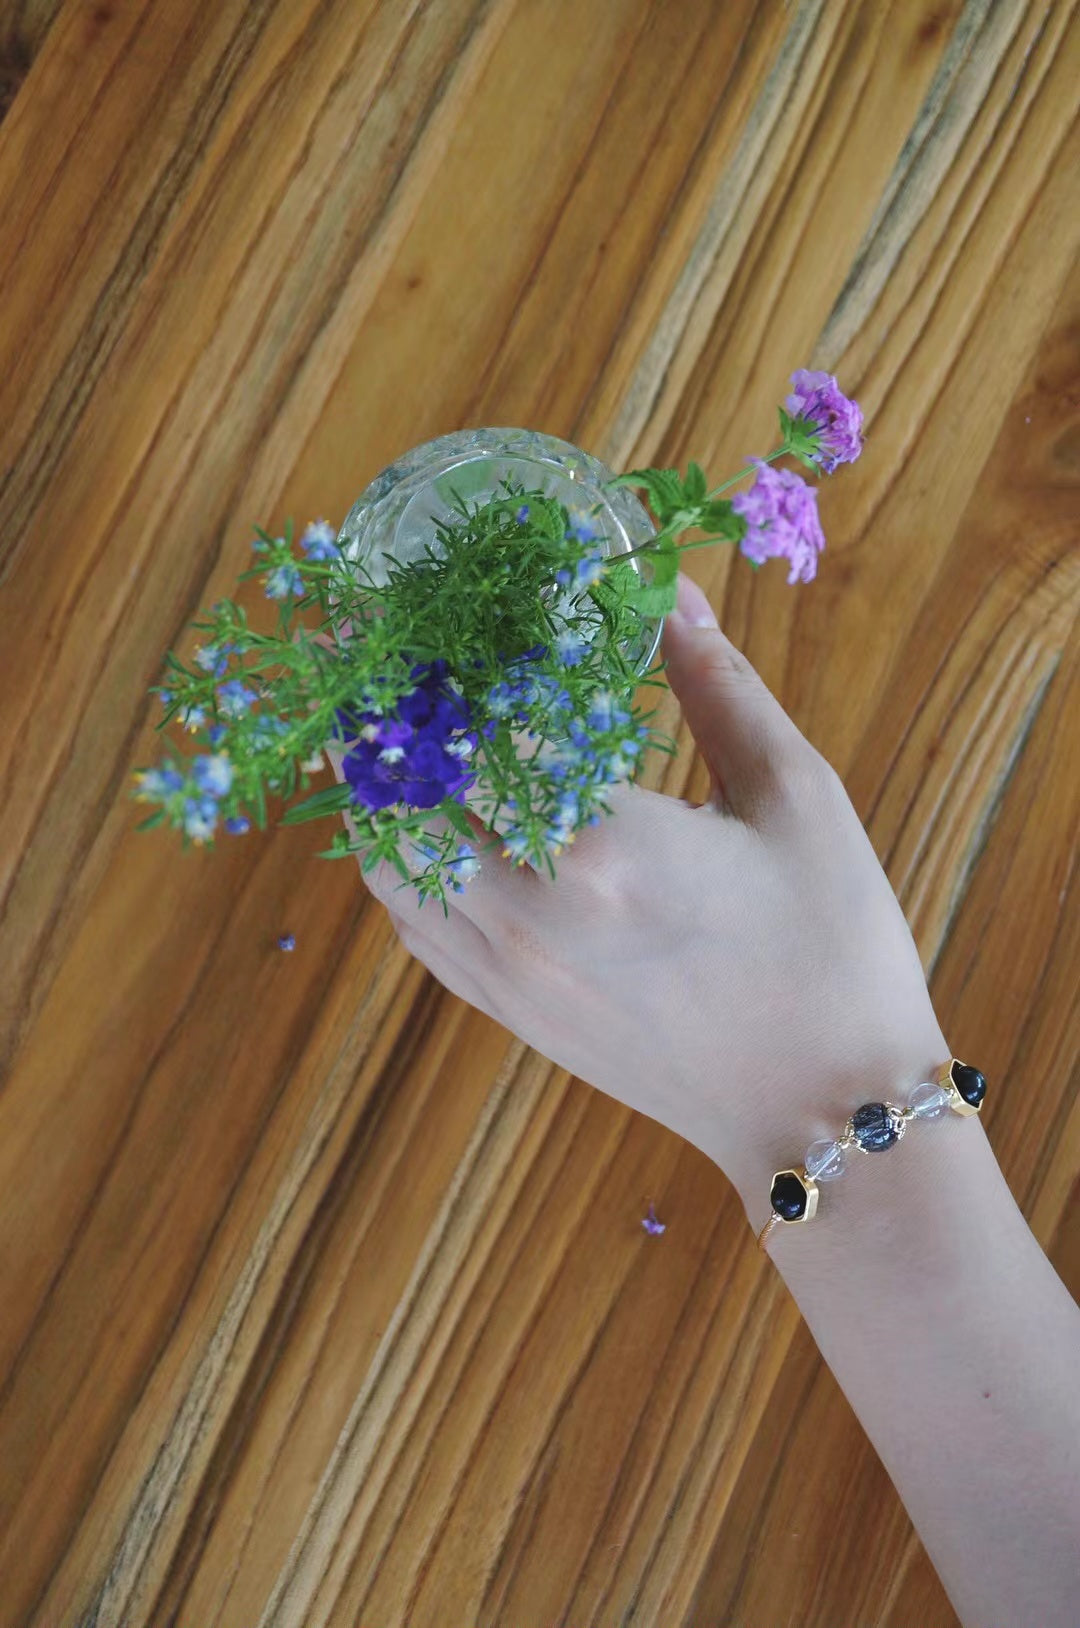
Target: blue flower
x=463, y=867
x=237, y=824
x=588, y=570
x=266, y=728
x=319, y=541
x=284, y=581
x=516, y=845
x=234, y=698
x=571, y=648
x=522, y=514
x=213, y=658
x=216, y=734
x=502, y=698
x=192, y=718
x=155, y=785
x=200, y=818
x=604, y=713
x=287, y=941
x=165, y=697
x=582, y=529
x=213, y=774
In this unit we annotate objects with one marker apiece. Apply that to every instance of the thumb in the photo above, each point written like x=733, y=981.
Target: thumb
x=742, y=731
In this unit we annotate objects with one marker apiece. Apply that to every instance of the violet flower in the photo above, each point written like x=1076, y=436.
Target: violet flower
x=781, y=516
x=833, y=417
x=404, y=757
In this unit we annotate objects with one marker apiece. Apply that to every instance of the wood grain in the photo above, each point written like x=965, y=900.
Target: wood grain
x=324, y=1302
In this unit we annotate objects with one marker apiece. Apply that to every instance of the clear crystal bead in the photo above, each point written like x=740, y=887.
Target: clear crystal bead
x=929, y=1100
x=825, y=1160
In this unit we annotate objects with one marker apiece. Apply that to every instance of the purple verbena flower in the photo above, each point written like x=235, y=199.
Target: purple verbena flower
x=652, y=1226
x=781, y=516
x=833, y=417
x=319, y=541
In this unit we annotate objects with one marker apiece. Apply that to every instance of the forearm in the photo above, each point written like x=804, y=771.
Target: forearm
x=959, y=1349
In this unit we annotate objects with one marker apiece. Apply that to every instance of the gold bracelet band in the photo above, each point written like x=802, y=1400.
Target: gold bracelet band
x=958, y=1088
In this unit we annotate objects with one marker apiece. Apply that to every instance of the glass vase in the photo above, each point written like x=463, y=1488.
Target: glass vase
x=394, y=518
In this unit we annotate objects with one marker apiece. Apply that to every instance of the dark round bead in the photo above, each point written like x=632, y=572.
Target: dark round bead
x=969, y=1082
x=788, y=1196
x=874, y=1127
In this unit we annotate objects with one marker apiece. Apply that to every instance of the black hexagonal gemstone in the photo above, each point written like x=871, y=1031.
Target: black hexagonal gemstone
x=969, y=1082
x=788, y=1196
x=873, y=1127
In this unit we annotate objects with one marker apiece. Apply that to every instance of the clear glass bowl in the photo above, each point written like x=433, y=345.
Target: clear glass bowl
x=393, y=518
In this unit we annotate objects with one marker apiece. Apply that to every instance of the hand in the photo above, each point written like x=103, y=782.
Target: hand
x=740, y=971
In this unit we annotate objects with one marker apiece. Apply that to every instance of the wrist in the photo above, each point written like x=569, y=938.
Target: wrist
x=779, y=1134
x=899, y=1219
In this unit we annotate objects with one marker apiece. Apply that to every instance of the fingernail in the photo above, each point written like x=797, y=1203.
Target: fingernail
x=693, y=605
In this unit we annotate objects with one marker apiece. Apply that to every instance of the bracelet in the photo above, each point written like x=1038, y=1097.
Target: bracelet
x=959, y=1088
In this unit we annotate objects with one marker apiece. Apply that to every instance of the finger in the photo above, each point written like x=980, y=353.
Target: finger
x=452, y=948
x=742, y=731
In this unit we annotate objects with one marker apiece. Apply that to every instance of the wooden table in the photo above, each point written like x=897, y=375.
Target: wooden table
x=322, y=1302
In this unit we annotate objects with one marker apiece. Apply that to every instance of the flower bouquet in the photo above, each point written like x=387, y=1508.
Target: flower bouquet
x=484, y=673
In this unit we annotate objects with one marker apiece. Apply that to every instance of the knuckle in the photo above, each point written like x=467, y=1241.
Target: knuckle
x=721, y=668
x=809, y=780
x=521, y=941
x=608, y=879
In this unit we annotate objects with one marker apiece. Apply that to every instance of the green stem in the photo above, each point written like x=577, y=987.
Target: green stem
x=647, y=548
x=769, y=458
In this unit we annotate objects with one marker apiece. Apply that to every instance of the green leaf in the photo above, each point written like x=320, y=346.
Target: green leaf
x=665, y=564
x=657, y=597
x=663, y=486
x=657, y=600
x=720, y=518
x=331, y=800
x=696, y=485
x=151, y=820
x=616, y=587
x=806, y=460
x=804, y=442
x=456, y=815
x=399, y=865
